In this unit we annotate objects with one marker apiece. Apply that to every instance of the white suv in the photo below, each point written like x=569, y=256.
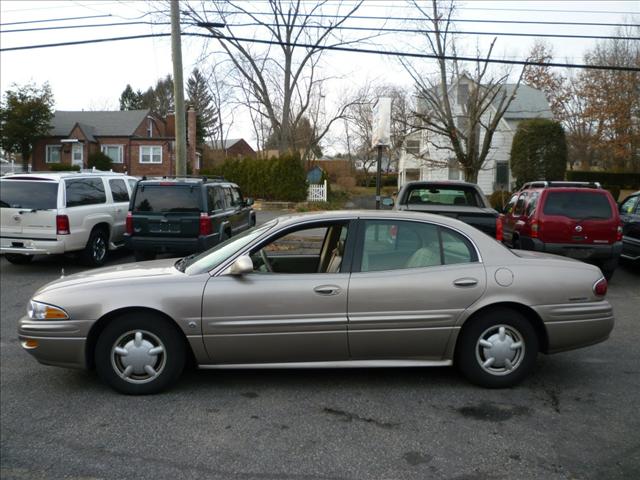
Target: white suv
x=51, y=213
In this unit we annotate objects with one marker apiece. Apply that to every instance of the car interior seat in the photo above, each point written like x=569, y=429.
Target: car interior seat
x=336, y=258
x=424, y=257
x=459, y=201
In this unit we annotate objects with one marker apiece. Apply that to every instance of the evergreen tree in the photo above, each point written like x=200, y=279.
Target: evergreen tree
x=200, y=99
x=130, y=100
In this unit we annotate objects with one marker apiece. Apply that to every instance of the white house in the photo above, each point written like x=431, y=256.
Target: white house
x=420, y=160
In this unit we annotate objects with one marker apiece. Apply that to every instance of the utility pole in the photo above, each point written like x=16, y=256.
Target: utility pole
x=178, y=91
x=379, y=177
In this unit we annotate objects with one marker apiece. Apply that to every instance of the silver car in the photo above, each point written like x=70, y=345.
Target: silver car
x=334, y=289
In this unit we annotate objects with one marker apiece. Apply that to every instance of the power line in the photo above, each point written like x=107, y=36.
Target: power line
x=57, y=7
x=55, y=20
x=333, y=48
x=453, y=20
x=64, y=27
x=341, y=27
x=411, y=30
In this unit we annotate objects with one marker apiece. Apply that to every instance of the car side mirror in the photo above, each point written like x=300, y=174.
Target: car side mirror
x=248, y=202
x=242, y=265
x=387, y=202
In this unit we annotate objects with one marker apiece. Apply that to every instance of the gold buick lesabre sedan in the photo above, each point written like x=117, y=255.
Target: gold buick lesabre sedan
x=333, y=289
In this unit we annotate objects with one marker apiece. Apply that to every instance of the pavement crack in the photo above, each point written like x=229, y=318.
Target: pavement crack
x=350, y=417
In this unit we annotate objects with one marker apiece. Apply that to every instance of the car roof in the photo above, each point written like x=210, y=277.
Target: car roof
x=168, y=181
x=57, y=176
x=451, y=183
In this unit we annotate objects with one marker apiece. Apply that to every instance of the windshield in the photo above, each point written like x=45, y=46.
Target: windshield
x=578, y=205
x=167, y=198
x=443, y=195
x=38, y=195
x=213, y=257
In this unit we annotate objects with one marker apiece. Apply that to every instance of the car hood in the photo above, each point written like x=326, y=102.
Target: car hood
x=118, y=273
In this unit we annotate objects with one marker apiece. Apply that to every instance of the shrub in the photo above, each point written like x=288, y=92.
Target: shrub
x=499, y=199
x=99, y=160
x=628, y=180
x=63, y=167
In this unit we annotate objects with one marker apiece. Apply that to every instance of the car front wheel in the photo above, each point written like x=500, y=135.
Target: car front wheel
x=497, y=349
x=140, y=354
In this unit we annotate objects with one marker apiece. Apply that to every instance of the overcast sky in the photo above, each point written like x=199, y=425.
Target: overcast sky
x=91, y=77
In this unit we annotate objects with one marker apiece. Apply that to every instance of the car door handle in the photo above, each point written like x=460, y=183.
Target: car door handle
x=327, y=290
x=465, y=282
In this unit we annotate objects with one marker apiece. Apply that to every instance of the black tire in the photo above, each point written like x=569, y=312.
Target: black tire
x=252, y=222
x=18, y=258
x=609, y=267
x=470, y=354
x=95, y=253
x=143, y=256
x=515, y=243
x=154, y=331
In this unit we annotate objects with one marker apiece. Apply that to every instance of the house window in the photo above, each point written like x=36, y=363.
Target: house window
x=413, y=147
x=114, y=152
x=54, y=153
x=502, y=176
x=150, y=128
x=463, y=94
x=151, y=154
x=455, y=172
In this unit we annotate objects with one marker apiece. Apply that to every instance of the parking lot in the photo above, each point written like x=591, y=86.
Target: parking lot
x=575, y=417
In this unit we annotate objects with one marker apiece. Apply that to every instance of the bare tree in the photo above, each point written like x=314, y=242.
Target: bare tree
x=465, y=132
x=282, y=79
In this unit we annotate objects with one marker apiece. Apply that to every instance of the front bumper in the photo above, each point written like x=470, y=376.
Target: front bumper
x=590, y=252
x=630, y=248
x=576, y=325
x=61, y=343
x=30, y=246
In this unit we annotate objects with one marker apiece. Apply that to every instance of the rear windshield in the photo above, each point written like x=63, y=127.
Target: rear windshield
x=578, y=205
x=443, y=195
x=39, y=195
x=167, y=198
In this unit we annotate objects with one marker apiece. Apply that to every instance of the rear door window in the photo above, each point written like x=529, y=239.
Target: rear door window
x=119, y=190
x=167, y=199
x=237, y=197
x=39, y=195
x=85, y=191
x=531, y=207
x=520, y=205
x=228, y=197
x=578, y=205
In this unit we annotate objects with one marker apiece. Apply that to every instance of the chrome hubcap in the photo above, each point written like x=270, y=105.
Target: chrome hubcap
x=99, y=249
x=500, y=350
x=138, y=356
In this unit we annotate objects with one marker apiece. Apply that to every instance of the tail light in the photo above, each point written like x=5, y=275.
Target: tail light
x=62, y=225
x=535, y=229
x=600, y=287
x=205, y=224
x=499, y=228
x=129, y=224
x=619, y=233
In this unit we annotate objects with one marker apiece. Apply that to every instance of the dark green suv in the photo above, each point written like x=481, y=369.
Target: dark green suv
x=184, y=215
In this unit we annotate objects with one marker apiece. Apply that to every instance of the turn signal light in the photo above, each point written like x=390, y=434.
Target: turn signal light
x=62, y=225
x=619, y=233
x=30, y=343
x=535, y=229
x=600, y=287
x=499, y=228
x=205, y=224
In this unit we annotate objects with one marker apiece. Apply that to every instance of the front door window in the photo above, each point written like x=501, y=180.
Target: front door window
x=77, y=155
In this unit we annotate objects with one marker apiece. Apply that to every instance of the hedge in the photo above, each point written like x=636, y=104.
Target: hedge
x=63, y=167
x=628, y=181
x=281, y=178
x=99, y=160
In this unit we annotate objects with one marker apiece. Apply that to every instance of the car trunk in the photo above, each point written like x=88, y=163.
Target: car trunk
x=167, y=211
x=578, y=217
x=28, y=209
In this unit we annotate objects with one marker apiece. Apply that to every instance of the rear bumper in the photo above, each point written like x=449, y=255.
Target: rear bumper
x=174, y=245
x=574, y=250
x=576, y=325
x=630, y=248
x=29, y=246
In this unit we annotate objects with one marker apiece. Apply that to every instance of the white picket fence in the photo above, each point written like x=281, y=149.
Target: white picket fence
x=317, y=193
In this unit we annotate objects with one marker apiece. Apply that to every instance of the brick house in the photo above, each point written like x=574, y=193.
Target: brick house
x=137, y=141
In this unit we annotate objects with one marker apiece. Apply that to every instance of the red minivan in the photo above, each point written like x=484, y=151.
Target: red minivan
x=575, y=219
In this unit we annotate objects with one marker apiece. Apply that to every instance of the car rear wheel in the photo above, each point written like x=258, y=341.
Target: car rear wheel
x=497, y=349
x=140, y=354
x=608, y=268
x=95, y=252
x=18, y=258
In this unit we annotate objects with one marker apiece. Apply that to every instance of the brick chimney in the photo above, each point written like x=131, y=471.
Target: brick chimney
x=191, y=140
x=171, y=124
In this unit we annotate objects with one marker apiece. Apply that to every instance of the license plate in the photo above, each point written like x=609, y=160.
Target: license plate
x=578, y=252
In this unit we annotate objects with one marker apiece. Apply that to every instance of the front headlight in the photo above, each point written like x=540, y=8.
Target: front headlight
x=42, y=311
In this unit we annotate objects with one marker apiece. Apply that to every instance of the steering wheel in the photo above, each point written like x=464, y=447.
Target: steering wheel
x=265, y=261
